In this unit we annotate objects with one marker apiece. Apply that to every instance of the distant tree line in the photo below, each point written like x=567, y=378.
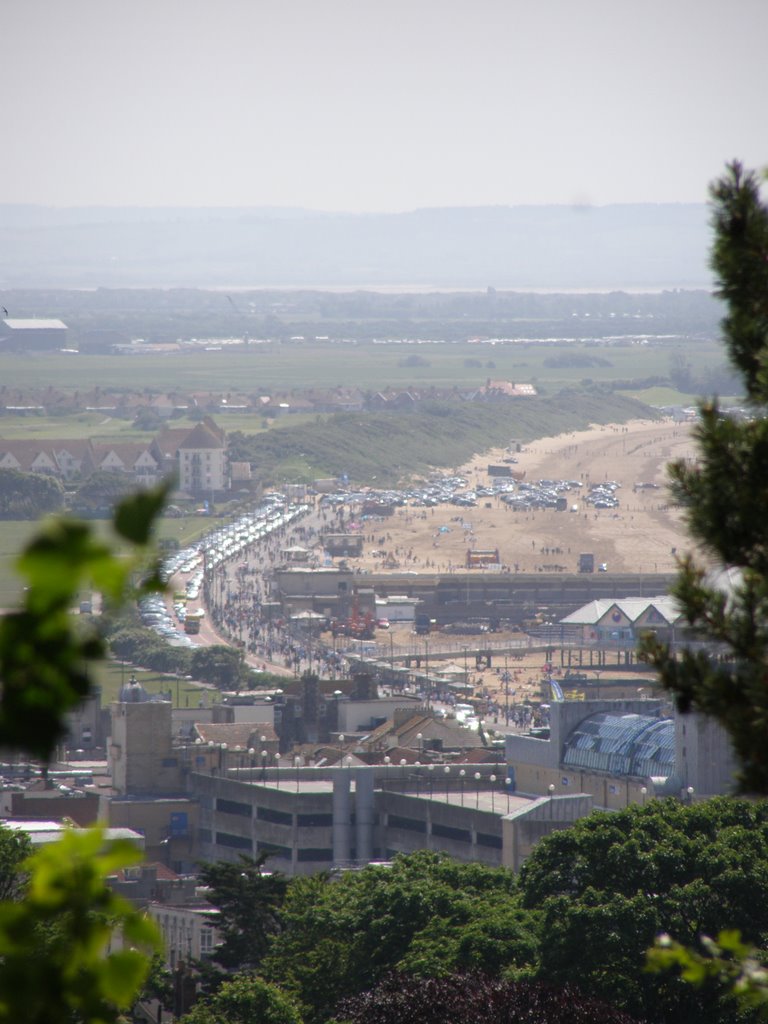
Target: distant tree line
x=28, y=495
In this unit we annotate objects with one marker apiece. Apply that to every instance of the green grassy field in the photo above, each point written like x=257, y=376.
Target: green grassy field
x=662, y=396
x=82, y=425
x=111, y=675
x=186, y=530
x=273, y=367
x=14, y=535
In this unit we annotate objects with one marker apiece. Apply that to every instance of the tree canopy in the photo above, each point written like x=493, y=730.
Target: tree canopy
x=475, y=999
x=28, y=495
x=244, y=1000
x=15, y=847
x=59, y=917
x=249, y=901
x=725, y=495
x=424, y=914
x=609, y=885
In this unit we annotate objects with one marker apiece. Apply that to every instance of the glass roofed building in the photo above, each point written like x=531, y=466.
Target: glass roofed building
x=623, y=744
x=622, y=752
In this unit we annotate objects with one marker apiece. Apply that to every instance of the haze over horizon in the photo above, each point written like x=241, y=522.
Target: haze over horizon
x=359, y=107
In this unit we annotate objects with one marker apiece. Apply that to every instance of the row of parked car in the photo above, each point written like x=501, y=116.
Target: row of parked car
x=603, y=495
x=224, y=542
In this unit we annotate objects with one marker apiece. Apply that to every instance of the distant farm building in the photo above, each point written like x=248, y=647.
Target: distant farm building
x=32, y=335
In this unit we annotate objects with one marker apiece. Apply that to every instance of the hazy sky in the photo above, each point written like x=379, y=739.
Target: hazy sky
x=388, y=105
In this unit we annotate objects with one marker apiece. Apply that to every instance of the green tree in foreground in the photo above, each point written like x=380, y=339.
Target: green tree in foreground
x=15, y=847
x=71, y=952
x=249, y=901
x=609, y=885
x=46, y=655
x=725, y=497
x=426, y=914
x=56, y=961
x=244, y=1000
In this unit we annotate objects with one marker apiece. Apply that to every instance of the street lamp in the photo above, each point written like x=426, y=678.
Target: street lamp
x=420, y=741
x=426, y=667
x=387, y=763
x=447, y=772
x=643, y=794
x=296, y=763
x=462, y=774
x=492, y=780
x=551, y=789
x=505, y=679
x=508, y=787
x=337, y=694
x=477, y=789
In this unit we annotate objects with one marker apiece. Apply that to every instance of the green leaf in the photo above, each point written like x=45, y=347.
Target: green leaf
x=135, y=515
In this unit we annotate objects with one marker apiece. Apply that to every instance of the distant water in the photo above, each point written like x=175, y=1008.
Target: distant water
x=427, y=289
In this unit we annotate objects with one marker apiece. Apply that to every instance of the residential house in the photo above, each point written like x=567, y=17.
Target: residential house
x=134, y=458
x=30, y=457
x=197, y=456
x=202, y=460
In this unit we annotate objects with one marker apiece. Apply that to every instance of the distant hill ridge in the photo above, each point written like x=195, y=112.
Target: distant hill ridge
x=628, y=246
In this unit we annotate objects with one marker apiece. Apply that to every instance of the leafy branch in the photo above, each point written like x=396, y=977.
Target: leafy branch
x=46, y=654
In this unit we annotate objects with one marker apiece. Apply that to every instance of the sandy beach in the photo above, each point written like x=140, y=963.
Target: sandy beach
x=642, y=535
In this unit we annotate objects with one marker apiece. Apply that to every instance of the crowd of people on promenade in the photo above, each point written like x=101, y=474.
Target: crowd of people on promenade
x=236, y=594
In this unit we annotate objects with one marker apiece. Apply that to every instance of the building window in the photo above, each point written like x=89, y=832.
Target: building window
x=461, y=835
x=274, y=850
x=276, y=817
x=233, y=842
x=314, y=820
x=233, y=807
x=494, y=842
x=309, y=854
x=410, y=824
